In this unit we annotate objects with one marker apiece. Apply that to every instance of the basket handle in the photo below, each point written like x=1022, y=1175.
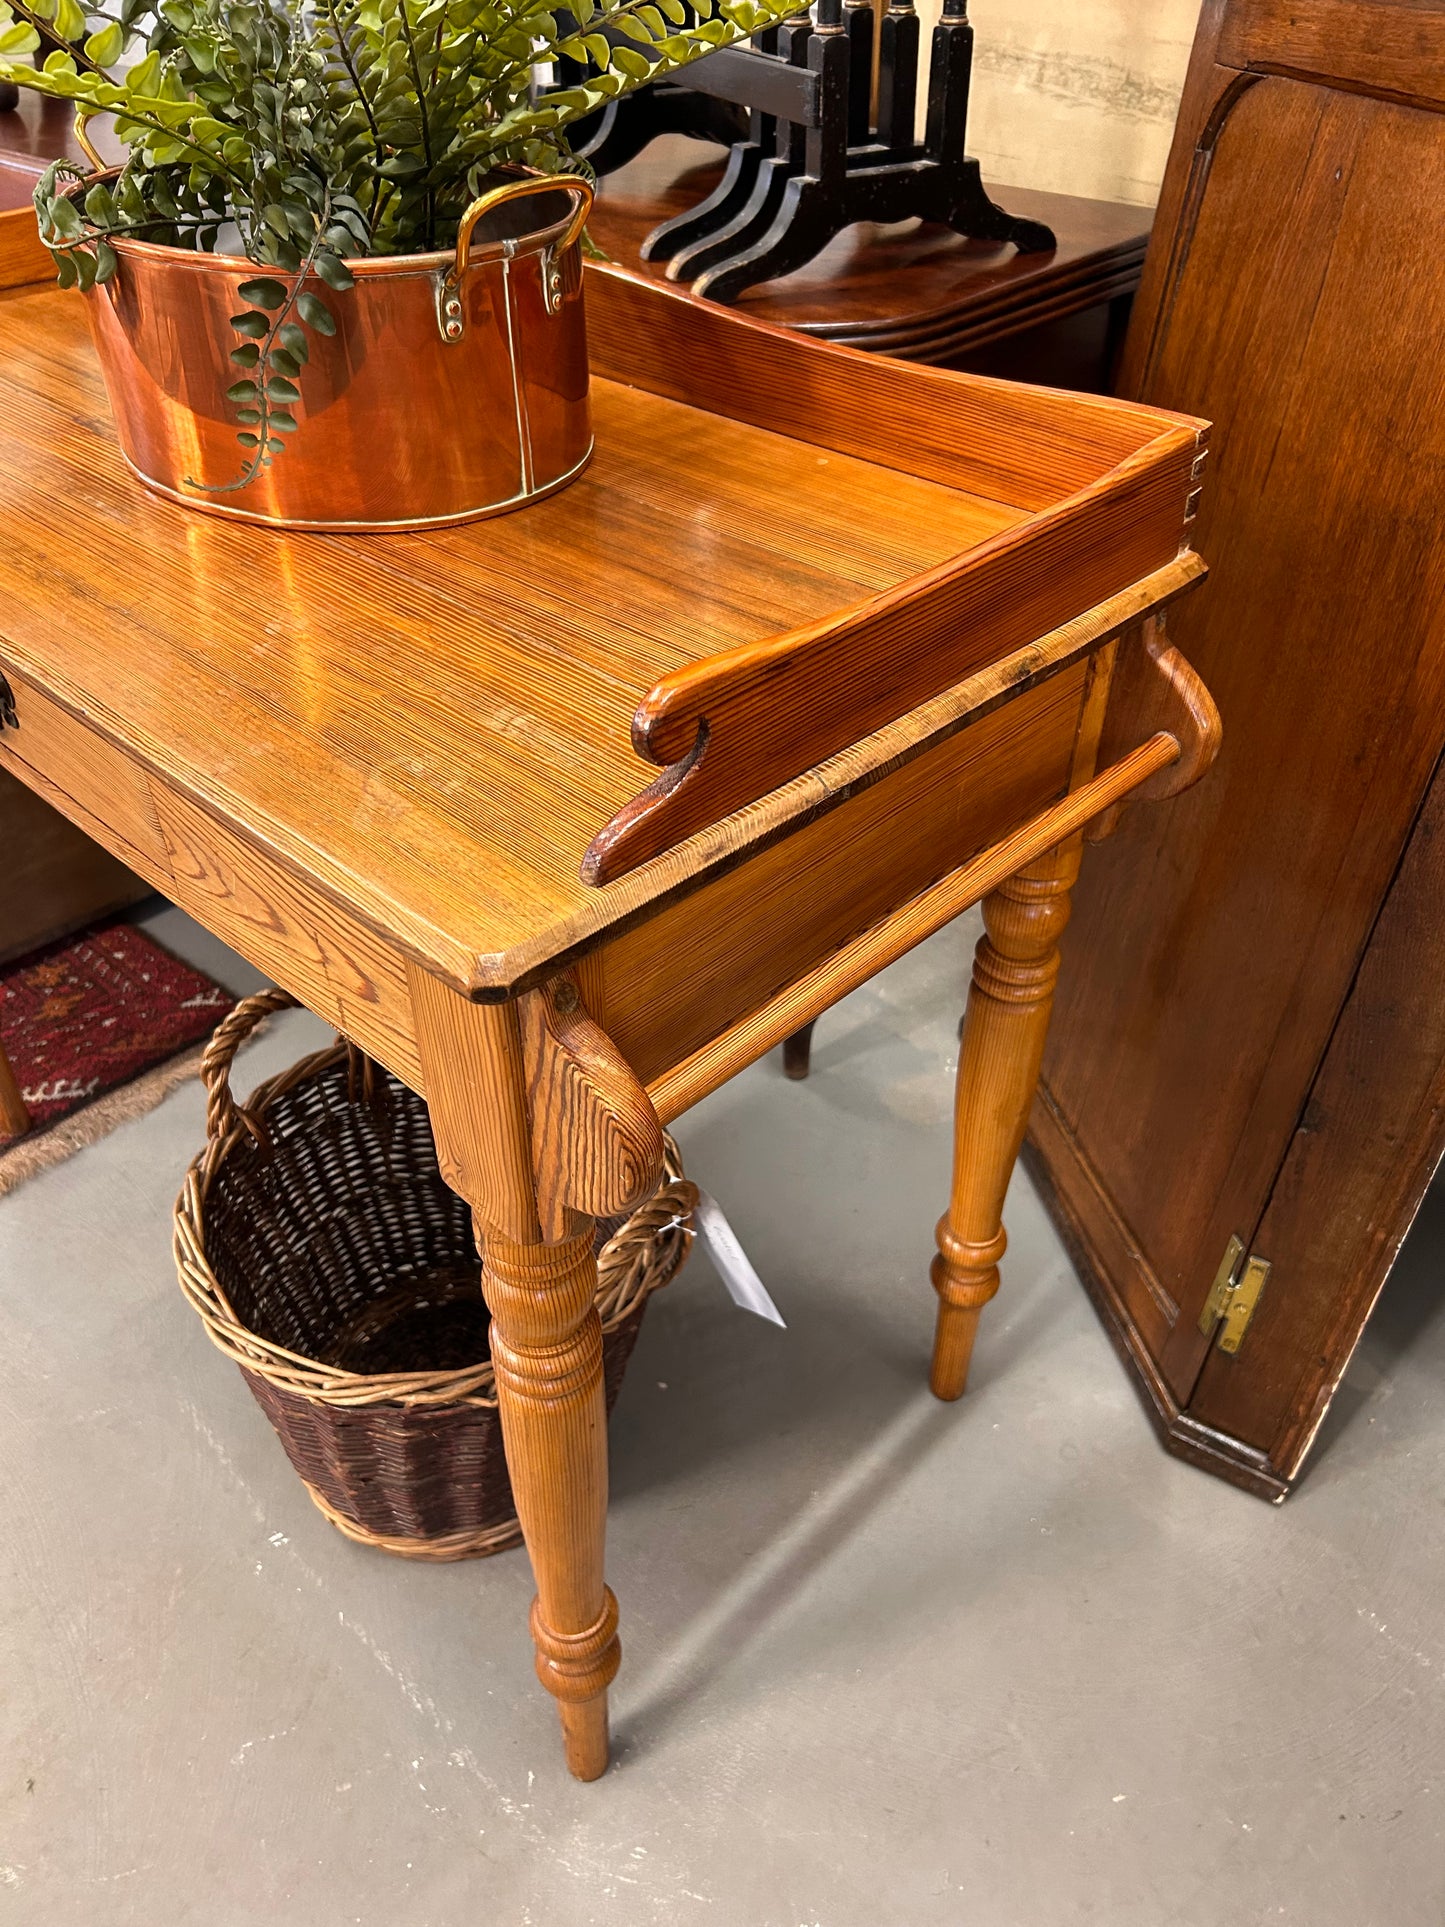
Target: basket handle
x=223, y=1113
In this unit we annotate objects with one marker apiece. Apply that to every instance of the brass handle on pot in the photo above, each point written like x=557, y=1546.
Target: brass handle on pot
x=83, y=117
x=449, y=302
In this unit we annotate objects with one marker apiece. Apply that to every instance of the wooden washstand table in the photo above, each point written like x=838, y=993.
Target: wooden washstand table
x=568, y=816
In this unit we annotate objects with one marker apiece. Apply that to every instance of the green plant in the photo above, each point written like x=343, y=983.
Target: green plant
x=319, y=130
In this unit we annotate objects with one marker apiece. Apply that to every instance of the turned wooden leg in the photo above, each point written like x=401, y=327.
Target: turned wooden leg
x=541, y=1126
x=1014, y=971
x=547, y=1350
x=797, y=1052
x=14, y=1118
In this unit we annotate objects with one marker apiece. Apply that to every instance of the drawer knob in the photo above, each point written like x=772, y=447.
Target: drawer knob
x=8, y=718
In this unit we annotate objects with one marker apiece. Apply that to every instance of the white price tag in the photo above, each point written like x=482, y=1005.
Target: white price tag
x=744, y=1286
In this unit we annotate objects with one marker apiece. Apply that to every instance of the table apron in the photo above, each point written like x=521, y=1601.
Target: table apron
x=302, y=940
x=669, y=985
x=666, y=988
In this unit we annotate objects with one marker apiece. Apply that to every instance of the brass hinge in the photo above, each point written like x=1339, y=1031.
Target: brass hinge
x=1233, y=1298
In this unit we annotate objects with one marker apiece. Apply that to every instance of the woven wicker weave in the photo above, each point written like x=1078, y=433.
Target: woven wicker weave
x=326, y=1255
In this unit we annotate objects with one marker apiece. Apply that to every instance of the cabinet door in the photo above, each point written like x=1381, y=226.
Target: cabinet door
x=1359, y=1161
x=1296, y=297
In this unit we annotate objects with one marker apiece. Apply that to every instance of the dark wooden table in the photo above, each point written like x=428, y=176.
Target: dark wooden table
x=35, y=132
x=31, y=136
x=918, y=292
x=922, y=292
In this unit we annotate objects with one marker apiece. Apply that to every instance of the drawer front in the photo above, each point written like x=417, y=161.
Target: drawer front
x=671, y=984
x=84, y=777
x=338, y=968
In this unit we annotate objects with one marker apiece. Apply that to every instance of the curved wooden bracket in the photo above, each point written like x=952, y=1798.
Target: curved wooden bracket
x=596, y=1139
x=1154, y=688
x=601, y=862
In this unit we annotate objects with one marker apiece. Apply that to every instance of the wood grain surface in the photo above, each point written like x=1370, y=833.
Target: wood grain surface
x=754, y=930
x=1388, y=46
x=1008, y=442
x=336, y=966
x=430, y=729
x=30, y=135
x=23, y=260
x=738, y=725
x=596, y=1143
x=1366, y=1146
x=91, y=780
x=1153, y=687
x=852, y=965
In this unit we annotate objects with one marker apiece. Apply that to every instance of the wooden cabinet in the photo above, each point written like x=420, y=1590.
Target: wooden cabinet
x=1250, y=1029
x=52, y=877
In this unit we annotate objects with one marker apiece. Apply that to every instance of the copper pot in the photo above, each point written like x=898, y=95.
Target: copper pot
x=455, y=385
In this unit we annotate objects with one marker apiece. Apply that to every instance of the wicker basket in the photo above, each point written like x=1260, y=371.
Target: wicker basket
x=326, y=1256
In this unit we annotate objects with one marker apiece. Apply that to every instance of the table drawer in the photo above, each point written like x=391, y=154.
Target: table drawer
x=84, y=777
x=709, y=959
x=325, y=957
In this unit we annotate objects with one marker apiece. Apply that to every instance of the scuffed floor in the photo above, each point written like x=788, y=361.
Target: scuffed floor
x=1002, y=1665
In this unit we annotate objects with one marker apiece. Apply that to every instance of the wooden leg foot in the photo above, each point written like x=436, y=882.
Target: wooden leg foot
x=953, y=1337
x=546, y=1345
x=1014, y=972
x=14, y=1118
x=952, y=1349
x=585, y=1738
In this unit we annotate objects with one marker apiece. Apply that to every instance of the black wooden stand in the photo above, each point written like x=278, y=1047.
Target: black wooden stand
x=816, y=159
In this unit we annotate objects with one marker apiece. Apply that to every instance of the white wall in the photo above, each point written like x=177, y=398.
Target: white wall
x=1076, y=95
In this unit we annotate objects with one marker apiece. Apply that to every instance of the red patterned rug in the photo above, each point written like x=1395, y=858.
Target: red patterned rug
x=82, y=1022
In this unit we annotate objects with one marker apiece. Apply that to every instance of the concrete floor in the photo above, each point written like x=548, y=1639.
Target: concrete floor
x=1003, y=1665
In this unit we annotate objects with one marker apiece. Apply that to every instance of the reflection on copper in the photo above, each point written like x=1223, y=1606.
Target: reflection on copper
x=404, y=421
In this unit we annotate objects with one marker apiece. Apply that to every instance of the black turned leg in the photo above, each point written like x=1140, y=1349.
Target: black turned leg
x=797, y=1052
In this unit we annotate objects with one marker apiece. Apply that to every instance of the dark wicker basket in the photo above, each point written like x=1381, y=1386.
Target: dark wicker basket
x=326, y=1255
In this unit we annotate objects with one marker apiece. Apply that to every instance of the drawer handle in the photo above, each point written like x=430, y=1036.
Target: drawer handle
x=8, y=718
